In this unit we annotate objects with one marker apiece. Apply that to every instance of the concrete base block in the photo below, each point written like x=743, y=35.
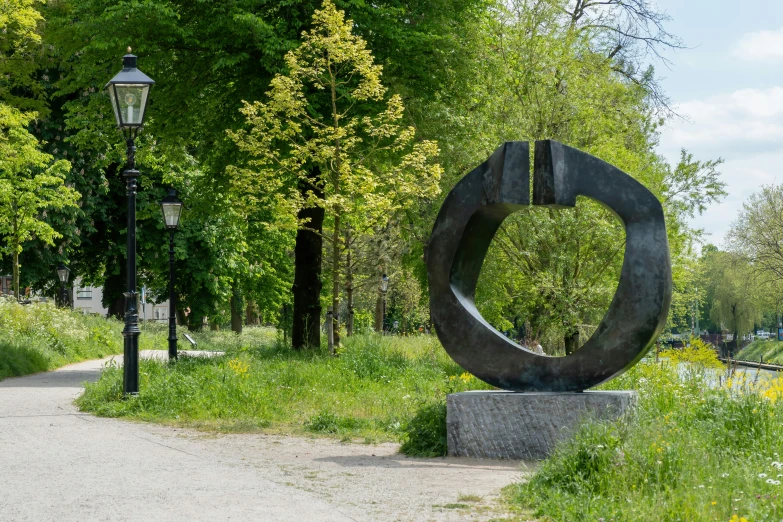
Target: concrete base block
x=523, y=426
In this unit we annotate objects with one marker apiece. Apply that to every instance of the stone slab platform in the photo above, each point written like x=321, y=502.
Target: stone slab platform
x=523, y=426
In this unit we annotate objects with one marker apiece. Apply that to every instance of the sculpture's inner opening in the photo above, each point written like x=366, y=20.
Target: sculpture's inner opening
x=550, y=275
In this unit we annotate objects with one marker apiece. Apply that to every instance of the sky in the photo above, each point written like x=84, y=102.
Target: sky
x=728, y=84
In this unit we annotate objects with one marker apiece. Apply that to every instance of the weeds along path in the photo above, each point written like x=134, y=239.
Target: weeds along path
x=58, y=463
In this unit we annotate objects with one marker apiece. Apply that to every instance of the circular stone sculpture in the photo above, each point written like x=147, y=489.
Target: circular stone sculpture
x=469, y=218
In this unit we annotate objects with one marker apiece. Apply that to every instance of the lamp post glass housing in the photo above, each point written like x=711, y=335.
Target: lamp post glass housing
x=172, y=209
x=63, y=272
x=129, y=94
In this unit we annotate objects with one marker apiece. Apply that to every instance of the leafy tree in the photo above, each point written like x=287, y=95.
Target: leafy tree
x=31, y=183
x=20, y=44
x=758, y=231
x=735, y=303
x=329, y=111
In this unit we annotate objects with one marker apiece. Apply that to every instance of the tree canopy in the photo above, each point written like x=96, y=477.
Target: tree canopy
x=281, y=122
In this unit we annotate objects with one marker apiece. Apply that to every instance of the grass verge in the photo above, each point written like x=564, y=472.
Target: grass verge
x=771, y=351
x=39, y=337
x=690, y=451
x=379, y=388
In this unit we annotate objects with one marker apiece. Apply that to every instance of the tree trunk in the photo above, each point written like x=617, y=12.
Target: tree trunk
x=182, y=319
x=215, y=327
x=571, y=342
x=336, y=278
x=236, y=312
x=348, y=283
x=113, y=297
x=251, y=314
x=734, y=345
x=16, y=273
x=308, y=254
x=336, y=233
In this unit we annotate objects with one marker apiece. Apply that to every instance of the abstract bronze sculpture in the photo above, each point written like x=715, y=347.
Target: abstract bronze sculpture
x=469, y=218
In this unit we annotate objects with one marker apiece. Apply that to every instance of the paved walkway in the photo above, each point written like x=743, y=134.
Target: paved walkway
x=59, y=464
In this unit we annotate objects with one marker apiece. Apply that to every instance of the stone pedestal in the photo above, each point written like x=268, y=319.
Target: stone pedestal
x=523, y=426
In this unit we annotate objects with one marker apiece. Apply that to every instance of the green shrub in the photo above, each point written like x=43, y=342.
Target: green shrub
x=697, y=353
x=425, y=433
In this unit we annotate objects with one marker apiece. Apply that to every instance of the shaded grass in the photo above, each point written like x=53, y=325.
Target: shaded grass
x=40, y=337
x=373, y=389
x=686, y=453
x=771, y=351
x=155, y=335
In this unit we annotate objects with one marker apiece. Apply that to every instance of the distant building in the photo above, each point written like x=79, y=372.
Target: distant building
x=88, y=299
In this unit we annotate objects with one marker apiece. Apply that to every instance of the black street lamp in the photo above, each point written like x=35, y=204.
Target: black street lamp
x=172, y=208
x=129, y=93
x=384, y=289
x=62, y=273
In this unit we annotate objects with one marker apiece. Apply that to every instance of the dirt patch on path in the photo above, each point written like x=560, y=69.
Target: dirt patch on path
x=61, y=464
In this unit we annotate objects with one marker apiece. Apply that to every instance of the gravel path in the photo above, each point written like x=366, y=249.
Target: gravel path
x=59, y=464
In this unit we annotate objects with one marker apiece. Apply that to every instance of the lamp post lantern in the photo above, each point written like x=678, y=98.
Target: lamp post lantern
x=172, y=208
x=384, y=289
x=129, y=94
x=62, y=273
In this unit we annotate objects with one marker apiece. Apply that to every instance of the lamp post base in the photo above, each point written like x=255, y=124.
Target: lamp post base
x=130, y=359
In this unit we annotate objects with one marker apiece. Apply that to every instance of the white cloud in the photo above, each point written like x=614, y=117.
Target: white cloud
x=760, y=46
x=746, y=129
x=748, y=119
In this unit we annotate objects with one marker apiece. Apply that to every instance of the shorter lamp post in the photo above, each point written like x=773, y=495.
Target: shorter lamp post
x=384, y=289
x=172, y=208
x=62, y=273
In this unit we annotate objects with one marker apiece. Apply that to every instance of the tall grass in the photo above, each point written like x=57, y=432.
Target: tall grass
x=691, y=451
x=39, y=337
x=373, y=389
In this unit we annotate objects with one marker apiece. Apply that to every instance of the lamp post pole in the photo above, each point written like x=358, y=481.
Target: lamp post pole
x=172, y=308
x=131, y=331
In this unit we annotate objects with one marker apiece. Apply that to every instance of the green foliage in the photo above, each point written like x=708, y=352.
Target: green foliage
x=690, y=450
x=31, y=183
x=697, y=353
x=40, y=337
x=371, y=390
x=20, y=45
x=425, y=433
